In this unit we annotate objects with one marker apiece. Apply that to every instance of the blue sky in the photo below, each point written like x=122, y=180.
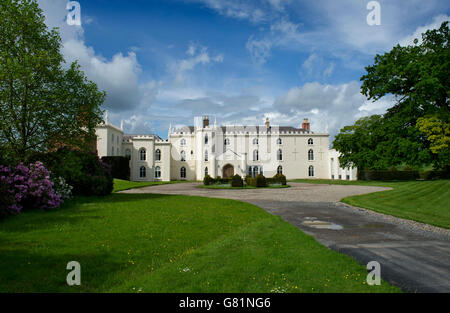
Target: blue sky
x=164, y=62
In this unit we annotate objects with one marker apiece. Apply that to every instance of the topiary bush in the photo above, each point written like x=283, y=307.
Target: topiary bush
x=237, y=181
x=84, y=171
x=208, y=180
x=260, y=181
x=279, y=179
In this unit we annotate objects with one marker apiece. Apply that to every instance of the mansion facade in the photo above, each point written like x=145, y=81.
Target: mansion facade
x=192, y=152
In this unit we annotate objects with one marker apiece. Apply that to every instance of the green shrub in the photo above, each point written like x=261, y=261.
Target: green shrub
x=84, y=171
x=237, y=181
x=430, y=175
x=388, y=175
x=120, y=166
x=279, y=179
x=208, y=180
x=260, y=181
x=248, y=180
x=6, y=199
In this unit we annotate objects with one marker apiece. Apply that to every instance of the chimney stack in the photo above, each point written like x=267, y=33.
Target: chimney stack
x=205, y=121
x=267, y=123
x=306, y=125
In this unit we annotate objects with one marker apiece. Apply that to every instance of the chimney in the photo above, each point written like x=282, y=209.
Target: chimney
x=306, y=125
x=267, y=123
x=205, y=121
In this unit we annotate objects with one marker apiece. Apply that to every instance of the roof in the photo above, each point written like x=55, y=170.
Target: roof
x=232, y=128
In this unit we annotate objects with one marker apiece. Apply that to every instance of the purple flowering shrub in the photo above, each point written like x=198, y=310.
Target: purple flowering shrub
x=30, y=187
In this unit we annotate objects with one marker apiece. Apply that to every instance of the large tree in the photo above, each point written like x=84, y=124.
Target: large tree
x=43, y=102
x=418, y=77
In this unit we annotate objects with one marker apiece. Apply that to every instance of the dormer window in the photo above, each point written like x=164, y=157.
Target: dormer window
x=255, y=141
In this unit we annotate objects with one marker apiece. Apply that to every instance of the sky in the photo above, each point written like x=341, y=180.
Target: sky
x=163, y=62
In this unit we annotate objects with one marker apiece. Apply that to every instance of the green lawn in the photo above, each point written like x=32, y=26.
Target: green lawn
x=161, y=243
x=245, y=187
x=423, y=201
x=120, y=184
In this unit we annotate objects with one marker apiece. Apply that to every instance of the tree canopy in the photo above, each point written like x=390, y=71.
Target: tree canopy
x=43, y=102
x=417, y=76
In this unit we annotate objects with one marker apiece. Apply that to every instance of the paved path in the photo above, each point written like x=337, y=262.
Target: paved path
x=412, y=257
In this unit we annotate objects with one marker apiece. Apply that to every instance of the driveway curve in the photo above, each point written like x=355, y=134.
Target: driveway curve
x=412, y=256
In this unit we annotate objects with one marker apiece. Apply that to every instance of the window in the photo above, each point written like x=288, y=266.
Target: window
x=226, y=142
x=255, y=155
x=142, y=172
x=332, y=176
x=183, y=156
x=118, y=151
x=280, y=155
x=280, y=170
x=117, y=140
x=112, y=151
x=158, y=155
x=255, y=141
x=206, y=171
x=311, y=155
x=206, y=139
x=142, y=154
x=183, y=172
x=348, y=177
x=310, y=141
x=253, y=171
x=311, y=171
x=128, y=154
x=112, y=138
x=279, y=141
x=183, y=142
x=206, y=155
x=157, y=172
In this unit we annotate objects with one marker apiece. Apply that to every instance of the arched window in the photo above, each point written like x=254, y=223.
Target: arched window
x=157, y=172
x=253, y=171
x=183, y=172
x=206, y=155
x=280, y=170
x=279, y=141
x=183, y=156
x=311, y=155
x=206, y=139
x=158, y=155
x=255, y=155
x=206, y=171
x=112, y=151
x=142, y=172
x=112, y=138
x=142, y=154
x=183, y=142
x=226, y=142
x=311, y=171
x=310, y=141
x=280, y=155
x=255, y=141
x=128, y=154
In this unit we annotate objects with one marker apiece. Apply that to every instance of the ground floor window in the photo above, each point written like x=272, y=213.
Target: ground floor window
x=183, y=172
x=311, y=171
x=157, y=172
x=280, y=170
x=206, y=171
x=142, y=172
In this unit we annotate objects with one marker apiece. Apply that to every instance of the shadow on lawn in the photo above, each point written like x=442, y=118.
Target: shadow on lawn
x=24, y=271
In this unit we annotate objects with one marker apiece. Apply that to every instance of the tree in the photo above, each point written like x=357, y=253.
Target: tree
x=417, y=77
x=42, y=104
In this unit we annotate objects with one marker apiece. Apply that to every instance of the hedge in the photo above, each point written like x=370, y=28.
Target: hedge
x=237, y=181
x=388, y=175
x=119, y=166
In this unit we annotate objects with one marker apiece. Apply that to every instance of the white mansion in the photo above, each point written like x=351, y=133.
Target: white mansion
x=191, y=152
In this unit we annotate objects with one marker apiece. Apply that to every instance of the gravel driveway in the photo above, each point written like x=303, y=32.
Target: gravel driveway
x=413, y=256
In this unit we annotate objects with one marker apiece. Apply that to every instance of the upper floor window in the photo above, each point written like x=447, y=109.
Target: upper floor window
x=310, y=141
x=311, y=155
x=256, y=155
x=128, y=153
x=158, y=155
x=255, y=141
x=183, y=156
x=183, y=172
x=142, y=172
x=183, y=142
x=206, y=155
x=112, y=138
x=226, y=142
x=157, y=172
x=279, y=141
x=279, y=155
x=142, y=154
x=311, y=171
x=206, y=139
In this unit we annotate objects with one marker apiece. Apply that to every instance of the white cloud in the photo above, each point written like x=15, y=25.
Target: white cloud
x=259, y=49
x=437, y=21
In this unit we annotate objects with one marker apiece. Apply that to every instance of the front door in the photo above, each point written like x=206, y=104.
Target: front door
x=228, y=171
